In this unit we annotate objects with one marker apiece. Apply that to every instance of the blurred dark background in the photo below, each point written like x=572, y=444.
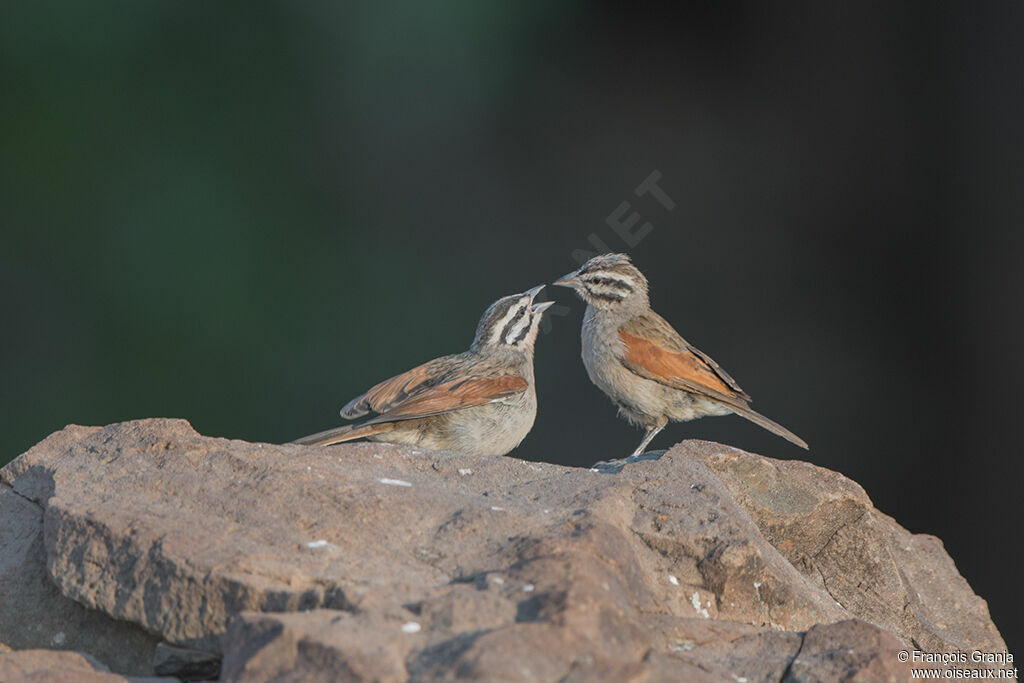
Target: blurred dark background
x=244, y=214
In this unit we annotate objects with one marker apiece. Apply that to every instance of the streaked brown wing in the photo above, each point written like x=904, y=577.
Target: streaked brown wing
x=655, y=330
x=718, y=370
x=655, y=351
x=681, y=370
x=455, y=395
x=391, y=392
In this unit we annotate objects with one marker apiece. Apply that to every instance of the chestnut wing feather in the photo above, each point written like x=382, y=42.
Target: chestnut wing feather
x=391, y=392
x=654, y=329
x=454, y=395
x=654, y=350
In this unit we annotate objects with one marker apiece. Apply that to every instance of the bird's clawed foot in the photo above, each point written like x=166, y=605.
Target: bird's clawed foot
x=614, y=466
x=648, y=435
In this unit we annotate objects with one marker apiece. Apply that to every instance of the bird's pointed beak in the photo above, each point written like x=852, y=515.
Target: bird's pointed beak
x=534, y=292
x=539, y=308
x=568, y=280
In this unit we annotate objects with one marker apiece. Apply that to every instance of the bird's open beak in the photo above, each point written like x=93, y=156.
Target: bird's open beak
x=542, y=306
x=567, y=280
x=534, y=292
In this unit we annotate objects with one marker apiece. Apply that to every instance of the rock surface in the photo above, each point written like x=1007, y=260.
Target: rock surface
x=34, y=613
x=49, y=666
x=327, y=645
x=380, y=562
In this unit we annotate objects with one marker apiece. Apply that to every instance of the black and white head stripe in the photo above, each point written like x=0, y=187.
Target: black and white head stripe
x=514, y=325
x=611, y=277
x=507, y=321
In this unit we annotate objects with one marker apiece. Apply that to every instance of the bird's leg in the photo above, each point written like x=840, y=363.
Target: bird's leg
x=652, y=431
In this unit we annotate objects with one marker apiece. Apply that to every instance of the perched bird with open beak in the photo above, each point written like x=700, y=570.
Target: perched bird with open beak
x=648, y=370
x=480, y=402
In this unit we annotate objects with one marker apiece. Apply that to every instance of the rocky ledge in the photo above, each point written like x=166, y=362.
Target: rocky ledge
x=155, y=550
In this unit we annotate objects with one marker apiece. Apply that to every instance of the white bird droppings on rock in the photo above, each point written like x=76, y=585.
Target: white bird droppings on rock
x=498, y=580
x=394, y=482
x=465, y=470
x=695, y=601
x=673, y=580
x=317, y=544
x=410, y=627
x=497, y=509
x=528, y=588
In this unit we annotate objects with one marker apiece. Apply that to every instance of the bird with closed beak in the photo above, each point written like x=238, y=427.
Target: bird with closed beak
x=635, y=356
x=479, y=402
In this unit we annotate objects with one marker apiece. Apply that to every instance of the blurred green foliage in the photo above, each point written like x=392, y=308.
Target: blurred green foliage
x=193, y=213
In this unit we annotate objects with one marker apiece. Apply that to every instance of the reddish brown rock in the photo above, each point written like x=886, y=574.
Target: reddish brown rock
x=845, y=651
x=327, y=645
x=692, y=565
x=34, y=613
x=826, y=526
x=51, y=666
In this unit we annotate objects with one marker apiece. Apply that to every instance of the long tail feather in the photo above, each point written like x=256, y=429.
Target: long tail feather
x=346, y=433
x=773, y=427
